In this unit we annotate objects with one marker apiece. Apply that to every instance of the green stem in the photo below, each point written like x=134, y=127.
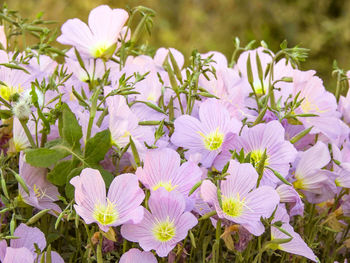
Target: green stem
x=218, y=237
x=92, y=112
x=8, y=105
x=99, y=250
x=27, y=132
x=337, y=89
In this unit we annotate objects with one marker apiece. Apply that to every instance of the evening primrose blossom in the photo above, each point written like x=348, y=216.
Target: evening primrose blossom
x=162, y=169
x=164, y=226
x=255, y=140
x=122, y=204
x=238, y=203
x=317, y=184
x=209, y=134
x=23, y=249
x=135, y=255
x=99, y=38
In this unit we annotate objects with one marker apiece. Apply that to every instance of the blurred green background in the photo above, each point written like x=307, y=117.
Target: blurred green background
x=321, y=25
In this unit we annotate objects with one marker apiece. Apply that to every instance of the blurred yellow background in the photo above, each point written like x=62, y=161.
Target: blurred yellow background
x=321, y=25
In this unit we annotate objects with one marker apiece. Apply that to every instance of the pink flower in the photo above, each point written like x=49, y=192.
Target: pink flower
x=134, y=255
x=257, y=139
x=209, y=134
x=318, y=101
x=122, y=204
x=163, y=227
x=317, y=184
x=239, y=203
x=42, y=194
x=162, y=169
x=23, y=249
x=296, y=246
x=99, y=38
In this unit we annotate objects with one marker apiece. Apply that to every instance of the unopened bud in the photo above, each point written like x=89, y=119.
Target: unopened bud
x=22, y=110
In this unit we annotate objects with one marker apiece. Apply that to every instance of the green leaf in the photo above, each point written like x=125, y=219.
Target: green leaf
x=300, y=135
x=5, y=114
x=97, y=147
x=71, y=130
x=134, y=152
x=250, y=71
x=36, y=217
x=14, y=66
x=58, y=175
x=152, y=106
x=279, y=176
x=284, y=44
x=176, y=68
x=43, y=157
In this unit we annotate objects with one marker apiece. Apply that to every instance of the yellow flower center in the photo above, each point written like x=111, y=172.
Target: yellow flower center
x=37, y=191
x=166, y=185
x=338, y=183
x=164, y=231
x=19, y=145
x=308, y=107
x=213, y=140
x=299, y=184
x=151, y=97
x=105, y=214
x=103, y=50
x=233, y=206
x=259, y=89
x=7, y=91
x=256, y=157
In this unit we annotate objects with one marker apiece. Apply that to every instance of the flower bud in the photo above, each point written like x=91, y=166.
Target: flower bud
x=22, y=109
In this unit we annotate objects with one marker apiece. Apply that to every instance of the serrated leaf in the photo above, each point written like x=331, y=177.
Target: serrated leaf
x=43, y=157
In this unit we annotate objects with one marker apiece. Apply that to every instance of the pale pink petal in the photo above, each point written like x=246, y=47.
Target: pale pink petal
x=28, y=236
x=18, y=255
x=134, y=255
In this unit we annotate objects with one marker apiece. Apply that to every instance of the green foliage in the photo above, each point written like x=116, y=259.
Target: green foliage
x=97, y=147
x=69, y=127
x=43, y=157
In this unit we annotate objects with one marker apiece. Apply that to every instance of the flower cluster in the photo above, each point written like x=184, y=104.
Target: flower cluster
x=247, y=160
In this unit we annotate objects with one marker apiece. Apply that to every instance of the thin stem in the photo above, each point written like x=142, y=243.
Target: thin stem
x=218, y=237
x=8, y=105
x=27, y=132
